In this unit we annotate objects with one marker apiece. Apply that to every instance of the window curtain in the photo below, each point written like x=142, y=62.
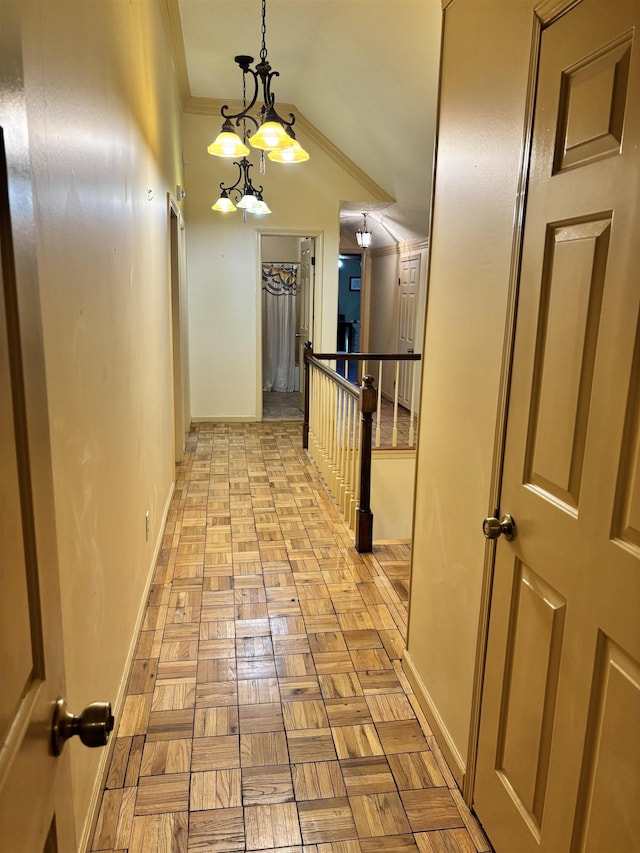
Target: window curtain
x=279, y=288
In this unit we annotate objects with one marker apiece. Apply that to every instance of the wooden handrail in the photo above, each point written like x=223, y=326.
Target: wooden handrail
x=349, y=387
x=367, y=356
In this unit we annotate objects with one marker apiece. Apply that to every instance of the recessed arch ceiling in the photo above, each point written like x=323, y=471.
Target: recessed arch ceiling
x=363, y=72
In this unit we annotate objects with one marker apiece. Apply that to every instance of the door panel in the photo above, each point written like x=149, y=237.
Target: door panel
x=407, y=314
x=31, y=667
x=559, y=754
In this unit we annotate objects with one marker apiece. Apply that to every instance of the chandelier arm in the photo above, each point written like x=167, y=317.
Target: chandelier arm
x=234, y=186
x=244, y=112
x=264, y=72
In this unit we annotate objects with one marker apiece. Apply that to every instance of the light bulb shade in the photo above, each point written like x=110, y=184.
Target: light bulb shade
x=364, y=238
x=261, y=208
x=227, y=143
x=224, y=204
x=247, y=202
x=293, y=153
x=269, y=136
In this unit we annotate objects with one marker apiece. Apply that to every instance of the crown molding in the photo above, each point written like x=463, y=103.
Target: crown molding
x=212, y=107
x=403, y=249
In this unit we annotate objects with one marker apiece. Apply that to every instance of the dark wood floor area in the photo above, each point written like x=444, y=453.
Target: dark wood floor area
x=267, y=709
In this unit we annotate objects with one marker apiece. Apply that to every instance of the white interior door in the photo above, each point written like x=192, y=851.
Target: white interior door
x=559, y=746
x=304, y=304
x=32, y=788
x=408, y=293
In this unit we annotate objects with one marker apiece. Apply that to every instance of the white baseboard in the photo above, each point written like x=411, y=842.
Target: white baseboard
x=226, y=419
x=438, y=727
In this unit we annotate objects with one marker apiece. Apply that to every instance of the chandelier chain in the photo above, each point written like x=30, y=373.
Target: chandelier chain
x=263, y=50
x=244, y=106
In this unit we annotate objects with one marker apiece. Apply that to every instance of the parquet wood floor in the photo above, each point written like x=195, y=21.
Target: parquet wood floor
x=266, y=708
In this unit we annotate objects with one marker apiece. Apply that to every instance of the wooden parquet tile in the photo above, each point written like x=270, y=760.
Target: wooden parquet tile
x=266, y=707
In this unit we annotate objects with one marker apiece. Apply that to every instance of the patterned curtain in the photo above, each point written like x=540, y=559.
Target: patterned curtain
x=280, y=279
x=279, y=288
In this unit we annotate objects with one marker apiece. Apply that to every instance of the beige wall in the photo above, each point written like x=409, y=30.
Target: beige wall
x=483, y=90
x=222, y=259
x=392, y=476
x=283, y=249
x=105, y=130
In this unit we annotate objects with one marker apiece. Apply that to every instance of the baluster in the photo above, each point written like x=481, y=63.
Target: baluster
x=413, y=394
x=333, y=416
x=313, y=413
x=394, y=439
x=342, y=426
x=347, y=505
x=379, y=405
x=325, y=426
x=321, y=389
x=355, y=468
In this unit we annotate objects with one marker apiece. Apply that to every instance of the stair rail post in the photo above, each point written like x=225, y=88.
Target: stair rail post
x=308, y=352
x=364, y=516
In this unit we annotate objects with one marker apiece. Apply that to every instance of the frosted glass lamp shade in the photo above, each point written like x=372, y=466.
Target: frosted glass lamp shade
x=224, y=204
x=227, y=143
x=261, y=208
x=269, y=136
x=294, y=153
x=363, y=238
x=247, y=202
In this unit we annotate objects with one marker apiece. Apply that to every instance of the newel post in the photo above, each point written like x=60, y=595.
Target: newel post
x=364, y=516
x=308, y=352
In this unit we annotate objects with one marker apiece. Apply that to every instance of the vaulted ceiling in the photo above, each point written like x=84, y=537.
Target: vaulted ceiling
x=362, y=72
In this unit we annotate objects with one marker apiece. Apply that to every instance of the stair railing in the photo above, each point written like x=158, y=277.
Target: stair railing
x=337, y=430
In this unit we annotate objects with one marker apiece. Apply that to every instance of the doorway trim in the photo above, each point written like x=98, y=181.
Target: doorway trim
x=177, y=329
x=542, y=15
x=316, y=319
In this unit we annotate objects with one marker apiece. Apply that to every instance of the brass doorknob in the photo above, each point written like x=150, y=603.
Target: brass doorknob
x=493, y=528
x=93, y=726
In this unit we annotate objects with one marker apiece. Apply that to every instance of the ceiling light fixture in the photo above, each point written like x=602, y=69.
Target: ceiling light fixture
x=248, y=197
x=273, y=133
x=363, y=235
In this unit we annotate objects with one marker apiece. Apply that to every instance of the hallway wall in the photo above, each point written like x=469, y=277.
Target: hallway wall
x=222, y=260
x=105, y=136
x=482, y=114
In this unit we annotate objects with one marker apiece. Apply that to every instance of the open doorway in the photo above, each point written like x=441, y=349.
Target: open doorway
x=287, y=289
x=349, y=289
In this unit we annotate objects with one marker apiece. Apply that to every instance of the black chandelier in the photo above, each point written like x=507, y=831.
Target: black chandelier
x=273, y=133
x=248, y=198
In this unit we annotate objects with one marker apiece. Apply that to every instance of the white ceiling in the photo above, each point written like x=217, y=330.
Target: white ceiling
x=363, y=72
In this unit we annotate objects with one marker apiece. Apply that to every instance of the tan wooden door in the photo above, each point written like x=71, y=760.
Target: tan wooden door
x=32, y=781
x=304, y=305
x=559, y=746
x=407, y=315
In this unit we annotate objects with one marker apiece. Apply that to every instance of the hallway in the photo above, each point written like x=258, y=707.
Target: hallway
x=267, y=709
